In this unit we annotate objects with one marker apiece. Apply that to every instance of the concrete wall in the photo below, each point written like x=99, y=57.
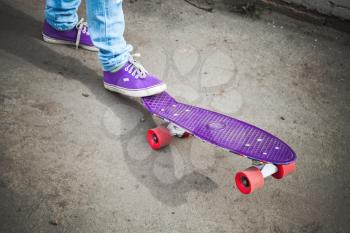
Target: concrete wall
x=339, y=8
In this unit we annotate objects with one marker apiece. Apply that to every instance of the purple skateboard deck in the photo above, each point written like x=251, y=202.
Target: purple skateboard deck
x=220, y=130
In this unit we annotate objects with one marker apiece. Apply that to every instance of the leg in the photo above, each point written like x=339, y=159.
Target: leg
x=106, y=27
x=62, y=14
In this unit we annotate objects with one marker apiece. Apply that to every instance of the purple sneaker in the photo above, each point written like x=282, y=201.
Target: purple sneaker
x=132, y=79
x=78, y=36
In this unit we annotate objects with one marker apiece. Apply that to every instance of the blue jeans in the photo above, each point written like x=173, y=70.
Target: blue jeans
x=106, y=26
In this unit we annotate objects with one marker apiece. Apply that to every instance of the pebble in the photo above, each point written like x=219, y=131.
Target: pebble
x=54, y=222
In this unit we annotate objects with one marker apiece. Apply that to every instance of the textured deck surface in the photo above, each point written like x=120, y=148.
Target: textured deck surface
x=223, y=131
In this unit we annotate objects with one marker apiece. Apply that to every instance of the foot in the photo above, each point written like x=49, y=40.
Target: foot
x=132, y=79
x=78, y=36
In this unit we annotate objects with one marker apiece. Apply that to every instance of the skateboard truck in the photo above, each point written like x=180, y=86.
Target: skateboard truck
x=177, y=131
x=266, y=169
x=252, y=178
x=162, y=136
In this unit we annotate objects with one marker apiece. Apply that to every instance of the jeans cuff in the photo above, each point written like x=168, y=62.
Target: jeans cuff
x=110, y=63
x=60, y=26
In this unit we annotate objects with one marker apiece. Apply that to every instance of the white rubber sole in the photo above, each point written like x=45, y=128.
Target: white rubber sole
x=137, y=93
x=57, y=41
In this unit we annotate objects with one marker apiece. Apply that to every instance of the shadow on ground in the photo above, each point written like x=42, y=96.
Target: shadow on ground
x=21, y=36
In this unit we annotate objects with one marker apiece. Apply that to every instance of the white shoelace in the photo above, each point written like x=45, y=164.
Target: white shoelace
x=81, y=26
x=136, y=69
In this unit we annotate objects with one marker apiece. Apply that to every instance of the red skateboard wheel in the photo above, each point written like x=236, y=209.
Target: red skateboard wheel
x=159, y=137
x=284, y=170
x=249, y=180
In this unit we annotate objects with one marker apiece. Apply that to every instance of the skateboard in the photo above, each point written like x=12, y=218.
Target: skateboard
x=270, y=155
